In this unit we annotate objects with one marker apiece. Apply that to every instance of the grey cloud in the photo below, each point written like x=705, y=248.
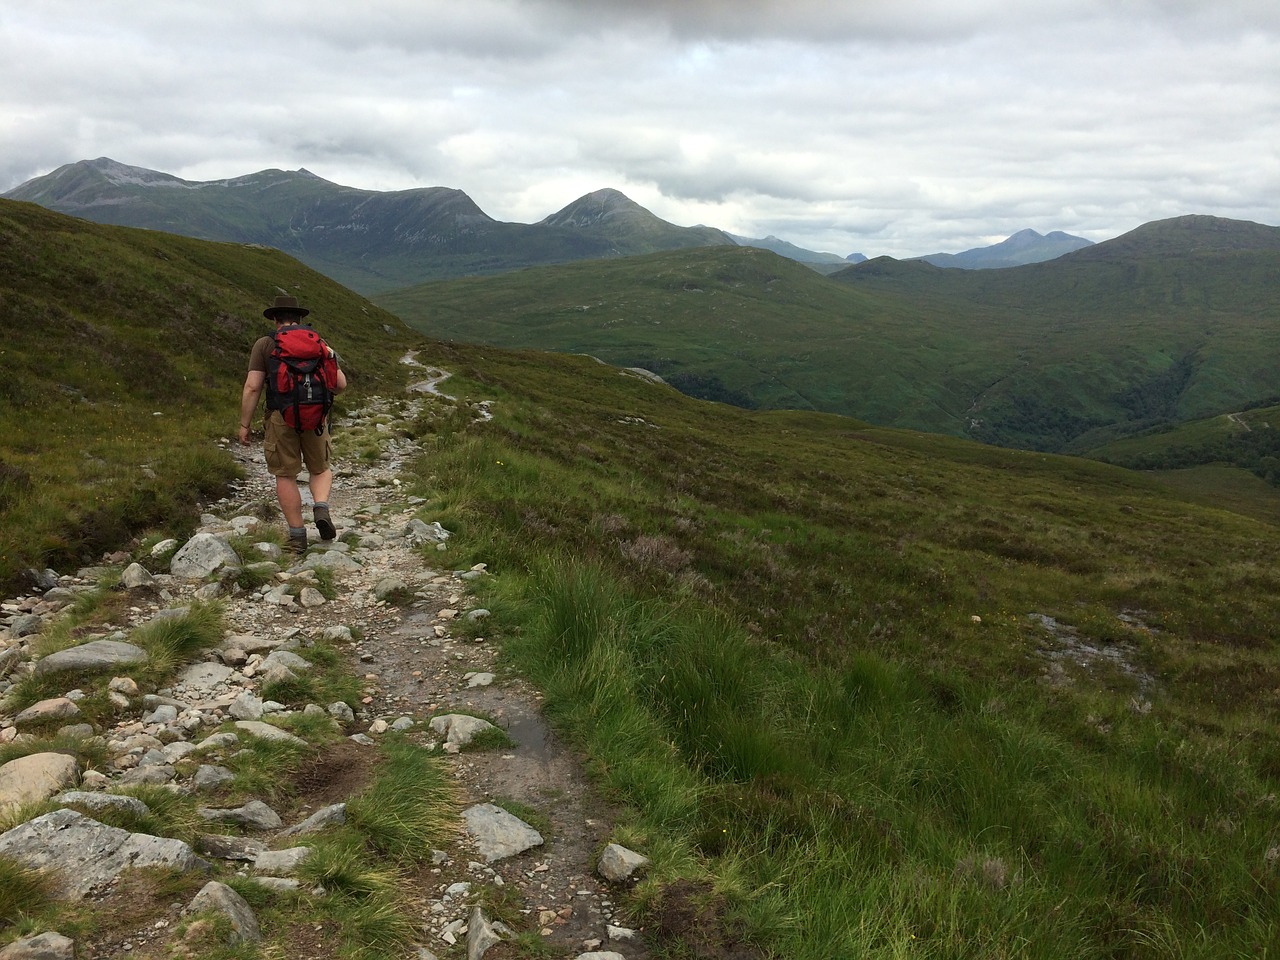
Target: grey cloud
x=903, y=127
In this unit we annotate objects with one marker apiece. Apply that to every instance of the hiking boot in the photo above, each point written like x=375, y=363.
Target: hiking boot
x=296, y=545
x=323, y=523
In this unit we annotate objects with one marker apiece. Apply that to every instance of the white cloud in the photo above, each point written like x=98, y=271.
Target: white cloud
x=885, y=126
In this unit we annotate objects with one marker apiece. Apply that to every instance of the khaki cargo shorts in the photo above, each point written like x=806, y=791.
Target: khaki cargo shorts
x=286, y=449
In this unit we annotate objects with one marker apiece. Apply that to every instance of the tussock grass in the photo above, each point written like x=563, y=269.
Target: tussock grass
x=409, y=808
x=171, y=641
x=24, y=893
x=363, y=899
x=328, y=681
x=171, y=814
x=263, y=767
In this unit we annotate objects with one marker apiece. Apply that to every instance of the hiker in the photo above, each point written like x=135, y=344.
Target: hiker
x=297, y=424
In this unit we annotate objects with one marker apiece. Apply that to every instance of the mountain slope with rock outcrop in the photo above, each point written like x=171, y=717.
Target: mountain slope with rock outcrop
x=369, y=240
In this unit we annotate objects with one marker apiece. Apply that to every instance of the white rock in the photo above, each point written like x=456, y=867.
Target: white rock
x=201, y=556
x=164, y=546
x=35, y=777
x=617, y=863
x=458, y=728
x=220, y=898
x=136, y=575
x=497, y=833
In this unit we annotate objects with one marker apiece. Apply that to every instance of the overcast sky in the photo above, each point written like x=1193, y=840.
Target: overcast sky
x=899, y=127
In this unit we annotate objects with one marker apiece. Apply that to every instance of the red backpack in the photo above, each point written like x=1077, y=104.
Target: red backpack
x=302, y=375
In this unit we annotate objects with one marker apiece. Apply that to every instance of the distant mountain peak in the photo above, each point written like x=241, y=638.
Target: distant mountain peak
x=1193, y=234
x=122, y=174
x=1025, y=246
x=595, y=208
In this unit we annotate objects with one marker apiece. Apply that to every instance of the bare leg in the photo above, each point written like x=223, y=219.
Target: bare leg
x=321, y=484
x=290, y=498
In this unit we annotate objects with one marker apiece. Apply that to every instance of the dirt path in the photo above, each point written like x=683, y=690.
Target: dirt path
x=417, y=662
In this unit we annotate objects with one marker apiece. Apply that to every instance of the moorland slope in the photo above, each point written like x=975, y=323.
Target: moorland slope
x=1175, y=321
x=858, y=691
x=124, y=351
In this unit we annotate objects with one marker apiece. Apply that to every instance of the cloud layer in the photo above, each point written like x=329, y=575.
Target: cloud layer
x=897, y=128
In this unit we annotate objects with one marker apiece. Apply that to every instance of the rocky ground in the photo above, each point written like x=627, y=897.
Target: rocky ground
x=414, y=634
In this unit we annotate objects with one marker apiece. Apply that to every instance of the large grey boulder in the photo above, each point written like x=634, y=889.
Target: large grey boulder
x=220, y=898
x=44, y=946
x=255, y=815
x=330, y=560
x=226, y=847
x=94, y=802
x=390, y=588
x=10, y=657
x=136, y=575
x=497, y=833
x=247, y=706
x=94, y=656
x=55, y=708
x=422, y=532
x=201, y=556
x=459, y=729
x=25, y=625
x=329, y=816
x=211, y=775
x=203, y=677
x=481, y=934
x=36, y=777
x=266, y=731
x=87, y=855
x=617, y=863
x=281, y=863
x=287, y=659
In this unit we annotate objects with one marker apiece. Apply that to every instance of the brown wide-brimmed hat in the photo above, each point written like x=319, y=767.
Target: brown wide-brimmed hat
x=285, y=305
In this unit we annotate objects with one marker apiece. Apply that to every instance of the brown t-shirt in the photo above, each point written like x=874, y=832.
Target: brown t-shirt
x=261, y=351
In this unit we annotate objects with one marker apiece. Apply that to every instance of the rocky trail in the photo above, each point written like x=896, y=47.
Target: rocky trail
x=411, y=631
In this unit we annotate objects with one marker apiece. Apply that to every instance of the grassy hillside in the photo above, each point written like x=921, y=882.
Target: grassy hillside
x=124, y=352
x=726, y=323
x=857, y=691
x=1249, y=439
x=887, y=694
x=1063, y=356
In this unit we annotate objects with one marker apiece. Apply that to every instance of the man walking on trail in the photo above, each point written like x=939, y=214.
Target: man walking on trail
x=287, y=444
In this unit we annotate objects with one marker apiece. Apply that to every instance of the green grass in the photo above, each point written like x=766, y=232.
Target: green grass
x=24, y=894
x=409, y=808
x=125, y=352
x=808, y=659
x=328, y=681
x=800, y=650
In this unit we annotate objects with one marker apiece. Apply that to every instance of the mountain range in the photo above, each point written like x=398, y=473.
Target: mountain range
x=1174, y=321
x=375, y=241
x=1025, y=246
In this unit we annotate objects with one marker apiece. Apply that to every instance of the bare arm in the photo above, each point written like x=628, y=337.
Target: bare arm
x=253, y=384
